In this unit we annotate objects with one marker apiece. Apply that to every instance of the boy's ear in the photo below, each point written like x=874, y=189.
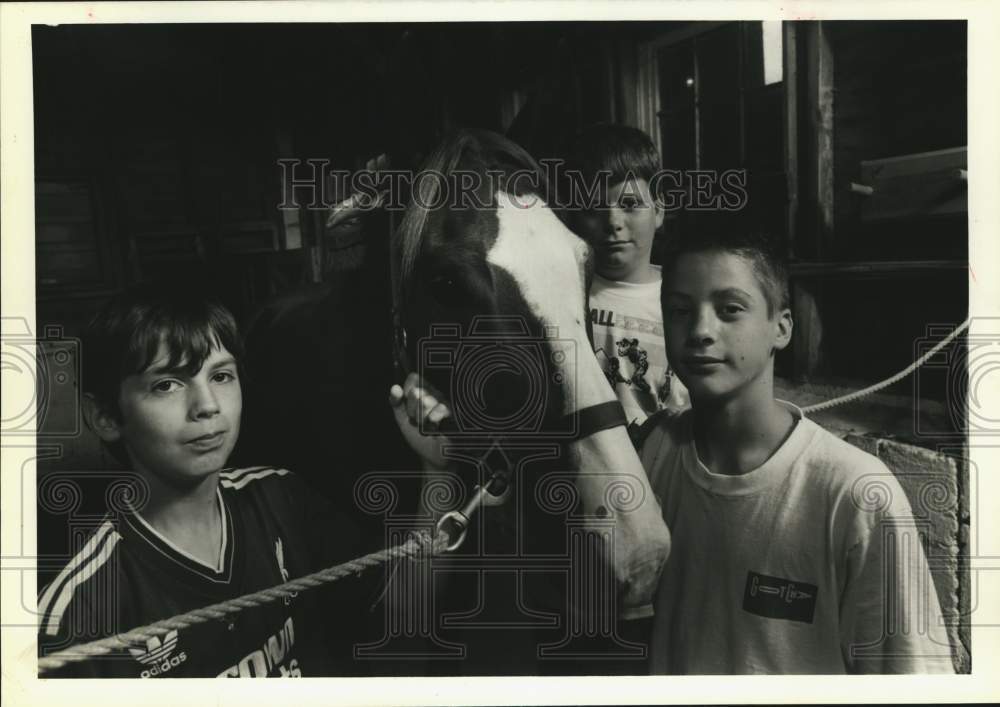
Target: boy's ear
x=659, y=211
x=783, y=329
x=101, y=420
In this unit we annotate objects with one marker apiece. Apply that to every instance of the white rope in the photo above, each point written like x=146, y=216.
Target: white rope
x=894, y=379
x=85, y=651
x=412, y=547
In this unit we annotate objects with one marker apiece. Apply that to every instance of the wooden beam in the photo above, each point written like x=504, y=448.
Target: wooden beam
x=791, y=132
x=823, y=137
x=815, y=237
x=627, y=84
x=914, y=186
x=697, y=106
x=807, y=333
x=900, y=267
x=609, y=62
x=813, y=115
x=741, y=90
x=647, y=95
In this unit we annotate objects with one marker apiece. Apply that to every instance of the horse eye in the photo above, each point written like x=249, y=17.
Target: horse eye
x=444, y=289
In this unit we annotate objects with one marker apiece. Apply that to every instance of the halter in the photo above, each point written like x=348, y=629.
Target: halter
x=400, y=339
x=586, y=421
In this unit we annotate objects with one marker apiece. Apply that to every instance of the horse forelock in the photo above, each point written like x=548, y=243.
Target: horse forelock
x=514, y=257
x=479, y=151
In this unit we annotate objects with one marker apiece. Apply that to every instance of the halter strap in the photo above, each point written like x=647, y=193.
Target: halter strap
x=597, y=418
x=400, y=357
x=585, y=421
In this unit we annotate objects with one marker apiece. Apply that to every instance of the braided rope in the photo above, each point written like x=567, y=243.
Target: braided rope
x=418, y=544
x=893, y=379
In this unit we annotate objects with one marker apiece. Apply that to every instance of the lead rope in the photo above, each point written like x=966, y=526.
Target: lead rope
x=893, y=379
x=419, y=544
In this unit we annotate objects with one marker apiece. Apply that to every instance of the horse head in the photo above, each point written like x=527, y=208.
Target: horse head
x=493, y=288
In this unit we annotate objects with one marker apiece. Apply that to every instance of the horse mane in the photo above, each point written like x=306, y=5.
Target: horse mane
x=479, y=150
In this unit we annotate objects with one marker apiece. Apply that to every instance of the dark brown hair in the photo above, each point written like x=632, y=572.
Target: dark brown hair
x=124, y=338
x=618, y=150
x=729, y=236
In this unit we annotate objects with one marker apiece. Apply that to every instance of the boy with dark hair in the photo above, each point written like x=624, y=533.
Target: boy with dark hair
x=783, y=559
x=610, y=170
x=162, y=390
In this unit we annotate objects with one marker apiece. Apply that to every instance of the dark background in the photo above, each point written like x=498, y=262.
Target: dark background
x=156, y=151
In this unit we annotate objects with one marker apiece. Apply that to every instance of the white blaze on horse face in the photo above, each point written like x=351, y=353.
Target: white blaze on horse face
x=547, y=261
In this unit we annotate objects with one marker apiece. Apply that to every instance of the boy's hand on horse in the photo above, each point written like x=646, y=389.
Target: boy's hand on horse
x=419, y=411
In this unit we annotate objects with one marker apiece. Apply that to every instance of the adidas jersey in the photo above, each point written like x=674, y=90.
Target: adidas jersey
x=128, y=575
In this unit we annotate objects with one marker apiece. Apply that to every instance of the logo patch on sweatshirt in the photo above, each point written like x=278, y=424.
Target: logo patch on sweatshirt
x=778, y=598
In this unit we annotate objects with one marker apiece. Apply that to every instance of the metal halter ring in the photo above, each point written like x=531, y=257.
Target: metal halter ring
x=459, y=523
x=455, y=524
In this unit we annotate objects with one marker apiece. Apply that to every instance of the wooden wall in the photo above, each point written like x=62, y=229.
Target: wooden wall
x=877, y=274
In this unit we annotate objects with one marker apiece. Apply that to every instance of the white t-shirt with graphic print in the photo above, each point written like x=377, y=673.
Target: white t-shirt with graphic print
x=628, y=341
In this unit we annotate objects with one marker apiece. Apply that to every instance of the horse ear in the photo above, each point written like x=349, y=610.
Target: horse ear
x=357, y=204
x=347, y=209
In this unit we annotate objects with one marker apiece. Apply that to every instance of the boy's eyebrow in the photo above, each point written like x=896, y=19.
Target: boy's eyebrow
x=228, y=361
x=730, y=291
x=161, y=370
x=182, y=368
x=724, y=292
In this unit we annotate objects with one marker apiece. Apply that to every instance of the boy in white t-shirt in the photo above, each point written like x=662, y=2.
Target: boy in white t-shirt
x=619, y=215
x=793, y=551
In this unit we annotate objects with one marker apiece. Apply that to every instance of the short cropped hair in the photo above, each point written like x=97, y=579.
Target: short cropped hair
x=618, y=150
x=768, y=261
x=125, y=336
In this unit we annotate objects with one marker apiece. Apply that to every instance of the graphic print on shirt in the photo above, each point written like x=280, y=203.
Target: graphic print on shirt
x=629, y=349
x=628, y=363
x=269, y=658
x=778, y=598
x=159, y=655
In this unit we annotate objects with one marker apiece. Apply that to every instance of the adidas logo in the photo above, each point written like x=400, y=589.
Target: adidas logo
x=158, y=655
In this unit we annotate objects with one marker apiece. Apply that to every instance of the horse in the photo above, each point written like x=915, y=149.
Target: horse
x=489, y=290
x=495, y=256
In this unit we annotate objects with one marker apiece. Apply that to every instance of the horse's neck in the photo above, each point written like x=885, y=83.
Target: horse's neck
x=585, y=384
x=613, y=484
